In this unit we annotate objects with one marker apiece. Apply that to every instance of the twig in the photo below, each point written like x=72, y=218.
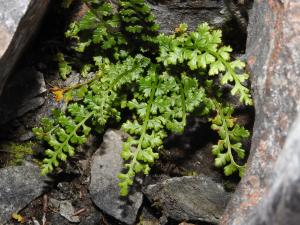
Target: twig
x=79, y=212
x=45, y=209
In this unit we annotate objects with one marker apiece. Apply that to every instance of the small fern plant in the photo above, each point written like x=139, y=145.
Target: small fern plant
x=160, y=80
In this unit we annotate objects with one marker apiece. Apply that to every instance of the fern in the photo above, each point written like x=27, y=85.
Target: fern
x=231, y=135
x=160, y=79
x=138, y=22
x=63, y=132
x=202, y=50
x=161, y=105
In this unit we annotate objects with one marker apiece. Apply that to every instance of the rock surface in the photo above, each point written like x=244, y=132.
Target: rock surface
x=281, y=205
x=67, y=210
x=18, y=187
x=189, y=198
x=18, y=21
x=22, y=94
x=171, y=13
x=273, y=53
x=106, y=165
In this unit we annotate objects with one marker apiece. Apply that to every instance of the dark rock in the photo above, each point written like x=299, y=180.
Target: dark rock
x=57, y=219
x=64, y=191
x=106, y=165
x=196, y=198
x=19, y=186
x=21, y=94
x=19, y=20
x=147, y=218
x=273, y=53
x=171, y=13
x=239, y=11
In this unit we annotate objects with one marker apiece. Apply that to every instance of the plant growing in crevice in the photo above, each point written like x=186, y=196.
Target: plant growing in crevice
x=160, y=79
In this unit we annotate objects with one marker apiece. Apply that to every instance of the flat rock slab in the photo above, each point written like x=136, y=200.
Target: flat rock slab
x=273, y=53
x=18, y=187
x=19, y=20
x=169, y=14
x=104, y=190
x=190, y=198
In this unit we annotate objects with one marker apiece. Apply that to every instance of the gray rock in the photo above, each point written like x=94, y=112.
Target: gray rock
x=21, y=94
x=67, y=210
x=171, y=13
x=93, y=218
x=106, y=165
x=189, y=198
x=18, y=187
x=19, y=20
x=273, y=53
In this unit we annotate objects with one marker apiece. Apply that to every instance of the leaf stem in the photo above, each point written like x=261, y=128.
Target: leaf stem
x=144, y=129
x=182, y=102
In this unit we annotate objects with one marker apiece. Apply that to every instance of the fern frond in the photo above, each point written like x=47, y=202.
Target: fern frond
x=159, y=78
x=64, y=132
x=161, y=105
x=231, y=135
x=202, y=50
x=138, y=22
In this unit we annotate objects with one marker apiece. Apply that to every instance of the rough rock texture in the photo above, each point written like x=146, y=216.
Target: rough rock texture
x=67, y=210
x=18, y=187
x=171, y=13
x=273, y=52
x=189, y=198
x=282, y=202
x=106, y=165
x=22, y=94
x=18, y=21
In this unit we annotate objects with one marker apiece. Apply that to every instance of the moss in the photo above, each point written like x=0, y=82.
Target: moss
x=17, y=152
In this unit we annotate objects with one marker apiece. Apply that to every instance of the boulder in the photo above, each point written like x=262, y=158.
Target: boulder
x=189, y=198
x=19, y=20
x=281, y=204
x=18, y=187
x=104, y=190
x=273, y=54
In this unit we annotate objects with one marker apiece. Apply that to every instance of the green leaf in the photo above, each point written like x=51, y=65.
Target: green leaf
x=64, y=66
x=88, y=21
x=229, y=169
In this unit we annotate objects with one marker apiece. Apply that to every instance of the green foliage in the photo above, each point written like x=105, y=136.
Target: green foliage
x=231, y=135
x=159, y=79
x=64, y=67
x=138, y=23
x=203, y=50
x=66, y=130
x=160, y=104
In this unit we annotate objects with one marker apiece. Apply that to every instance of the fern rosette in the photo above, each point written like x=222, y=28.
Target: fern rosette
x=160, y=79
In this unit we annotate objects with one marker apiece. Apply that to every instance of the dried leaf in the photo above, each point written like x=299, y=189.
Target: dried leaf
x=58, y=93
x=18, y=217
